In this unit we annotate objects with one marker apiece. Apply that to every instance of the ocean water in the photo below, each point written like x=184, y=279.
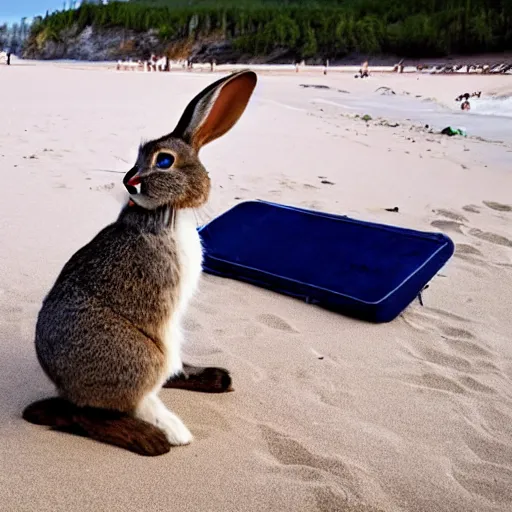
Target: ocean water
x=488, y=118
x=493, y=106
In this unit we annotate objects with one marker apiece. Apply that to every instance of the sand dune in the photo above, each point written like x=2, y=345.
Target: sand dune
x=329, y=414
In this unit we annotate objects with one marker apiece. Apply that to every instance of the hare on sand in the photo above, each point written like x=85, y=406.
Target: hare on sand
x=108, y=334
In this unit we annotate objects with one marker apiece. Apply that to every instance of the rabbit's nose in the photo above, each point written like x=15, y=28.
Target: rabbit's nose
x=133, y=182
x=131, y=179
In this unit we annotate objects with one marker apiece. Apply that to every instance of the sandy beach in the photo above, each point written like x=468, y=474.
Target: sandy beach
x=329, y=414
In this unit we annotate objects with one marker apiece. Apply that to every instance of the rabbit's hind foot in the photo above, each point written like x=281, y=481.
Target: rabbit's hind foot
x=203, y=379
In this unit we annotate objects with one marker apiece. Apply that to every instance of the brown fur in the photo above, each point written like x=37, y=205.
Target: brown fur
x=109, y=427
x=186, y=185
x=206, y=380
x=91, y=306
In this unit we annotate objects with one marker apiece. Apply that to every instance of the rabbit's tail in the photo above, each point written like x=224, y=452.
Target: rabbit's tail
x=111, y=427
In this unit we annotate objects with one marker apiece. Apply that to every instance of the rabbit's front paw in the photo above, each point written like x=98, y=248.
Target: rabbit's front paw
x=175, y=430
x=154, y=411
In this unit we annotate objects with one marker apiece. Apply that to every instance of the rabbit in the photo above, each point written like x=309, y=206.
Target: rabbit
x=108, y=333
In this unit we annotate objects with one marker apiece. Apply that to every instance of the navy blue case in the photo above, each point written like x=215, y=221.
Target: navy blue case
x=361, y=269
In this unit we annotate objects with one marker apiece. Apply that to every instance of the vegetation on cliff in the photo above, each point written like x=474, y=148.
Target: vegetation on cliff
x=306, y=28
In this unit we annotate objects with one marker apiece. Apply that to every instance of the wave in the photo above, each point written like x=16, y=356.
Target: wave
x=493, y=106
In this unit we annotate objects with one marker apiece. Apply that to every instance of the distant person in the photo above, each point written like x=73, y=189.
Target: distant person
x=364, y=70
x=9, y=57
x=152, y=61
x=464, y=96
x=465, y=105
x=399, y=68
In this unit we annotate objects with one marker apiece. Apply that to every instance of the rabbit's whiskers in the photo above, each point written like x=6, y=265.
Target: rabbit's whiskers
x=202, y=215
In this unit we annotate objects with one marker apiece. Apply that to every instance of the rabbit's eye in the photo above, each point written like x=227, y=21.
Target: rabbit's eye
x=164, y=160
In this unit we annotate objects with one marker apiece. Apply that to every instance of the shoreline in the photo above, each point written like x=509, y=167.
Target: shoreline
x=262, y=68
x=410, y=87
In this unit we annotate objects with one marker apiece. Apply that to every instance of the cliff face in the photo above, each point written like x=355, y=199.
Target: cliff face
x=93, y=44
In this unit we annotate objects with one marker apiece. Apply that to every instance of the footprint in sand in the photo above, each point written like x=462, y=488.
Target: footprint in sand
x=486, y=479
x=488, y=472
x=191, y=325
x=458, y=349
x=329, y=500
x=459, y=385
x=455, y=332
x=290, y=185
x=442, y=358
x=432, y=319
x=435, y=382
x=447, y=225
x=499, y=207
x=468, y=348
x=475, y=385
x=335, y=484
x=490, y=237
x=290, y=452
x=451, y=215
x=467, y=250
x=275, y=322
x=488, y=448
x=471, y=208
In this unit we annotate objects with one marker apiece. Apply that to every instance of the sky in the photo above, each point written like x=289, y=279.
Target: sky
x=11, y=11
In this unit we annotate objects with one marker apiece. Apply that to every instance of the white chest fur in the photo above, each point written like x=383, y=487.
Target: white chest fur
x=190, y=257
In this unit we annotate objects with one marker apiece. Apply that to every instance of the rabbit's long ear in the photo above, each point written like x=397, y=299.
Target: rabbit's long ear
x=216, y=109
